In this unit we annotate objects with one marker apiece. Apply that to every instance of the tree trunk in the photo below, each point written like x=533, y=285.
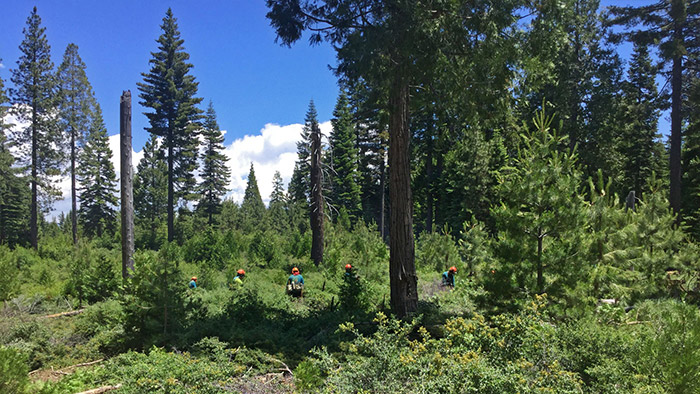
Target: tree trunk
x=316, y=215
x=74, y=197
x=382, y=190
x=127, y=195
x=34, y=216
x=540, y=277
x=171, y=189
x=402, y=269
x=429, y=178
x=675, y=153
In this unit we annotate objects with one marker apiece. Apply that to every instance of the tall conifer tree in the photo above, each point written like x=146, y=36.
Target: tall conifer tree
x=151, y=193
x=670, y=25
x=14, y=193
x=170, y=91
x=691, y=161
x=98, y=197
x=299, y=186
x=215, y=174
x=252, y=207
x=316, y=215
x=345, y=191
x=277, y=210
x=641, y=115
x=35, y=101
x=75, y=106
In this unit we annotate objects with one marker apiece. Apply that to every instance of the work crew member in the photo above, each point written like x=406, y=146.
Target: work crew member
x=448, y=277
x=295, y=283
x=238, y=279
x=349, y=273
x=193, y=282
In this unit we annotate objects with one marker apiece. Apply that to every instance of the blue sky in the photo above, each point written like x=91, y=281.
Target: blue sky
x=251, y=79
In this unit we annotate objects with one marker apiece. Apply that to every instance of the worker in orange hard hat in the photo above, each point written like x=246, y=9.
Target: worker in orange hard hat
x=295, y=283
x=240, y=275
x=350, y=273
x=448, y=277
x=193, y=282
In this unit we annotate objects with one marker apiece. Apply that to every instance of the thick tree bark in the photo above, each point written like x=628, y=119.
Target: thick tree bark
x=382, y=192
x=171, y=191
x=316, y=215
x=675, y=153
x=402, y=269
x=127, y=195
x=74, y=198
x=34, y=216
x=429, y=178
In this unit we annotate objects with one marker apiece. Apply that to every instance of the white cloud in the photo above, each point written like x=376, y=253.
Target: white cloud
x=274, y=149
x=2, y=65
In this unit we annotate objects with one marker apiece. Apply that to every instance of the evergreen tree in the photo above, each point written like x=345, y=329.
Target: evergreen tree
x=299, y=186
x=215, y=174
x=691, y=161
x=170, y=91
x=569, y=65
x=345, y=191
x=670, y=25
x=14, y=192
x=75, y=106
x=317, y=203
x=34, y=97
x=279, y=218
x=541, y=210
x=252, y=207
x=98, y=198
x=151, y=194
x=640, y=119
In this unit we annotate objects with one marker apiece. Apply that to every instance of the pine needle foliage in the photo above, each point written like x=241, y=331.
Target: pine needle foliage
x=170, y=91
x=215, y=173
x=35, y=103
x=98, y=180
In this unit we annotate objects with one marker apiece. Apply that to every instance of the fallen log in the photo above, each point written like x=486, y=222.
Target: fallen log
x=86, y=364
x=102, y=389
x=65, y=314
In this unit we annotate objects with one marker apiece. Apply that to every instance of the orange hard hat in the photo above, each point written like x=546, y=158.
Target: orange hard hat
x=194, y=278
x=240, y=272
x=348, y=266
x=453, y=269
x=295, y=269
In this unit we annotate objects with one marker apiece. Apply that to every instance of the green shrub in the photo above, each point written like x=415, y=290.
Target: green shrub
x=436, y=251
x=9, y=284
x=13, y=371
x=669, y=353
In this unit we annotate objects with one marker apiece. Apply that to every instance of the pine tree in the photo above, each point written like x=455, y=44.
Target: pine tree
x=299, y=186
x=151, y=194
x=640, y=119
x=670, y=25
x=317, y=203
x=691, y=161
x=279, y=219
x=541, y=209
x=34, y=97
x=215, y=174
x=170, y=91
x=345, y=191
x=252, y=207
x=569, y=65
x=75, y=106
x=14, y=192
x=98, y=198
